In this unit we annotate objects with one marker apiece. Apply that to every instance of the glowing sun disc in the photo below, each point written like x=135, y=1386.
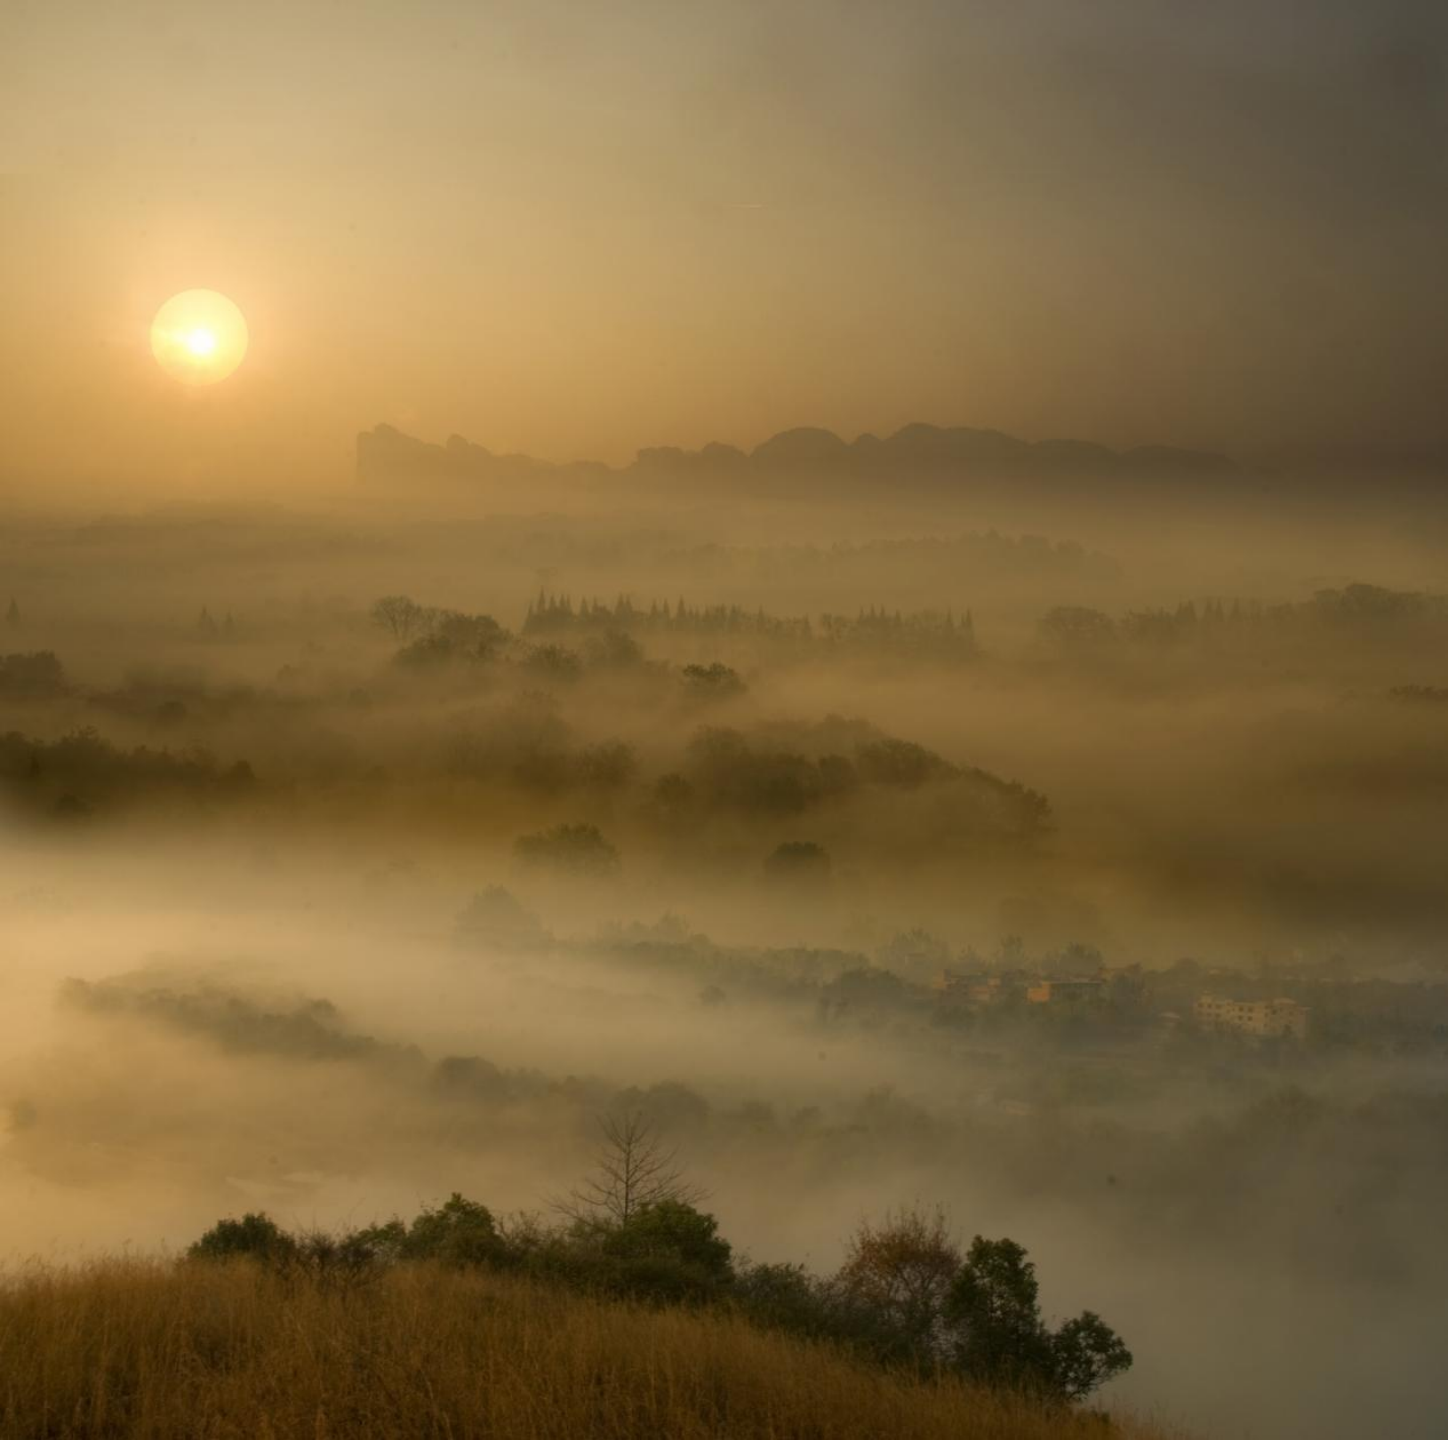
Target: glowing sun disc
x=198, y=337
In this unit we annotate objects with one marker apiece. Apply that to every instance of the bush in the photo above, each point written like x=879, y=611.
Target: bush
x=676, y=1230
x=553, y=662
x=797, y=860
x=255, y=1236
x=572, y=849
x=786, y=1297
x=496, y=916
x=712, y=682
x=457, y=1233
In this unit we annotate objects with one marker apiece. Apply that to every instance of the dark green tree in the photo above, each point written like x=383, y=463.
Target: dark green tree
x=256, y=1236
x=1000, y=1338
x=676, y=1230
x=459, y=1232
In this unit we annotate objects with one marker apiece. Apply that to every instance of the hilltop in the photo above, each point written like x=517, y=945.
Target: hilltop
x=165, y=1350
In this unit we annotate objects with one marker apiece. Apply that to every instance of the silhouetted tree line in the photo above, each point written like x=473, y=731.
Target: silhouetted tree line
x=74, y=773
x=788, y=771
x=1420, y=694
x=309, y=1030
x=1077, y=627
x=772, y=771
x=528, y=743
x=927, y=632
x=906, y=1296
x=557, y=614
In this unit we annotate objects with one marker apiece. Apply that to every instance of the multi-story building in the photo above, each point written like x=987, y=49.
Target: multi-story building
x=1252, y=1017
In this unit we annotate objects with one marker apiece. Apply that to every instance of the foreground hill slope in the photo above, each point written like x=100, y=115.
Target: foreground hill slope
x=159, y=1350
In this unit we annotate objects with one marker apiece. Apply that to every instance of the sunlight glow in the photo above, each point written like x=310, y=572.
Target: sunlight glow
x=199, y=337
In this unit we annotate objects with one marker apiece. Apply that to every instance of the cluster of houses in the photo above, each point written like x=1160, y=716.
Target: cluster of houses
x=1264, y=1019
x=985, y=987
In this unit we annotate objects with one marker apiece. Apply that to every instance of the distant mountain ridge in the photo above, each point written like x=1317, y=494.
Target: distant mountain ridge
x=385, y=455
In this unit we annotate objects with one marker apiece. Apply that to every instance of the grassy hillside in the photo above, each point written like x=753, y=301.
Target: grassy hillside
x=159, y=1350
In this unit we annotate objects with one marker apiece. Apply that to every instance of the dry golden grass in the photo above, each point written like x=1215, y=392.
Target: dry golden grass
x=151, y=1349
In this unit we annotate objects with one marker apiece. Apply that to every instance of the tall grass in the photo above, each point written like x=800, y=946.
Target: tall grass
x=153, y=1349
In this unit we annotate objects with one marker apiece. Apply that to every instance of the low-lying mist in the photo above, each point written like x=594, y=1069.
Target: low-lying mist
x=348, y=865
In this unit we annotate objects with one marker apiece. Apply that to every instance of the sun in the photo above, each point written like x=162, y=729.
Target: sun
x=199, y=337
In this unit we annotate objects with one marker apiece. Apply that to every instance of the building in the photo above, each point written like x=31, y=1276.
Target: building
x=1252, y=1017
x=1053, y=992
x=970, y=987
x=981, y=987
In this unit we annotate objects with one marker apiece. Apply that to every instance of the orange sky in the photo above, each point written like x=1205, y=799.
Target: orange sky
x=575, y=230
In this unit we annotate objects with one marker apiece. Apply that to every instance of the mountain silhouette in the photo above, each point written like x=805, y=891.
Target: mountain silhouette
x=388, y=457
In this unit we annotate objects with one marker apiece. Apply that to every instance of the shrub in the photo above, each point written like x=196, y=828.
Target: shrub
x=572, y=849
x=255, y=1236
x=714, y=682
x=676, y=1230
x=798, y=860
x=457, y=1233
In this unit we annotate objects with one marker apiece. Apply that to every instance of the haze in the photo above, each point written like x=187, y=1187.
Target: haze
x=577, y=233
x=868, y=582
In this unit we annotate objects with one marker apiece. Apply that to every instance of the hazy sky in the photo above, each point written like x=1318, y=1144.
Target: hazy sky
x=579, y=228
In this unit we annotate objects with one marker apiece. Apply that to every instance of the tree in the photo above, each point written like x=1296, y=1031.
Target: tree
x=495, y=916
x=1087, y=1353
x=676, y=1230
x=401, y=615
x=449, y=635
x=901, y=763
x=717, y=681
x=798, y=860
x=1000, y=1339
x=633, y=1170
x=256, y=1236
x=903, y=1270
x=39, y=673
x=1077, y=627
x=573, y=849
x=993, y=1308
x=553, y=662
x=459, y=1232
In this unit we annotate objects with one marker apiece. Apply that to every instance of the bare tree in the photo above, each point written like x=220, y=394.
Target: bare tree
x=633, y=1169
x=400, y=614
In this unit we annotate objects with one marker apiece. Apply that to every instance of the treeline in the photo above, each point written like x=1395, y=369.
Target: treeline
x=1076, y=627
x=905, y=1296
x=430, y=638
x=789, y=769
x=71, y=776
x=923, y=633
x=773, y=771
